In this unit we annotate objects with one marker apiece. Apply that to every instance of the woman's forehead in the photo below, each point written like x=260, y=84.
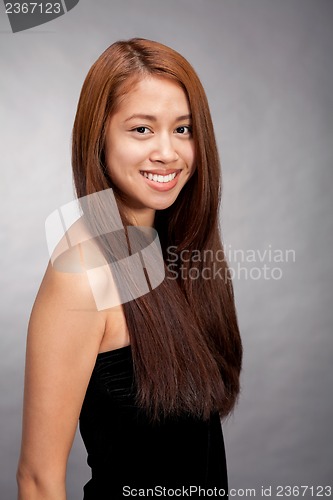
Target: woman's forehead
x=151, y=95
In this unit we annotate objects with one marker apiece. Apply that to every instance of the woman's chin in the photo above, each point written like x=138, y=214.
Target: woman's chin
x=162, y=206
x=162, y=202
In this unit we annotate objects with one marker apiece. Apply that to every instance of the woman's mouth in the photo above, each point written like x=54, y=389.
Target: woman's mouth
x=161, y=181
x=159, y=178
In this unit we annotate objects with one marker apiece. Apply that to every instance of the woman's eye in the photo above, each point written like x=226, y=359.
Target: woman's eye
x=184, y=129
x=141, y=130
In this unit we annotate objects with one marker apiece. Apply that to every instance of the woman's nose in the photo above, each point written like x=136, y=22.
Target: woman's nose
x=164, y=150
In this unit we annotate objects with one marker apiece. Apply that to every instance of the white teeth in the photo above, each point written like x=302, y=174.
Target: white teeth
x=159, y=178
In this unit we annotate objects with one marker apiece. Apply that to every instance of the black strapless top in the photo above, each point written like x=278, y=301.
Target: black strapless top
x=126, y=451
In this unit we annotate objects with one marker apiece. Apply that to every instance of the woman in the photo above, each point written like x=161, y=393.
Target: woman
x=150, y=378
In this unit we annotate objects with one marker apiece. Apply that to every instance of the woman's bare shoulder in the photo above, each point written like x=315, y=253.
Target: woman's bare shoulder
x=77, y=251
x=78, y=280
x=66, y=287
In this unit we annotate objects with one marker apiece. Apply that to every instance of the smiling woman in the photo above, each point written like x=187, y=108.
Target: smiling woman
x=153, y=152
x=149, y=379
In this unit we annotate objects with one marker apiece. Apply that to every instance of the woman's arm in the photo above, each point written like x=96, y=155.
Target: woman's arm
x=64, y=334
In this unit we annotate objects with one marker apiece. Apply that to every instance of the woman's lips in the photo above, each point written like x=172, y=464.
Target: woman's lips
x=161, y=180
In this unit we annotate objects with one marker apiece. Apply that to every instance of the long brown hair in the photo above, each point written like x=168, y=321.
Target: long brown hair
x=186, y=346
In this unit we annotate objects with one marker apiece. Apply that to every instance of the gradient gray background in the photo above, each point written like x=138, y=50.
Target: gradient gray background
x=267, y=68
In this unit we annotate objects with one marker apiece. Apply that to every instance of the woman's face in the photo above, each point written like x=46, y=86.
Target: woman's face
x=149, y=147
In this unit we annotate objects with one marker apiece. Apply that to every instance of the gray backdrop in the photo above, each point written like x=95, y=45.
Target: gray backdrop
x=267, y=69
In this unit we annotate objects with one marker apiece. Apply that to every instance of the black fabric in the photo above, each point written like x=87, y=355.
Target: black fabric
x=126, y=451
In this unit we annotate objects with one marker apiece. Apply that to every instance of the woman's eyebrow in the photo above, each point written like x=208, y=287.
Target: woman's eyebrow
x=184, y=117
x=142, y=116
x=154, y=118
